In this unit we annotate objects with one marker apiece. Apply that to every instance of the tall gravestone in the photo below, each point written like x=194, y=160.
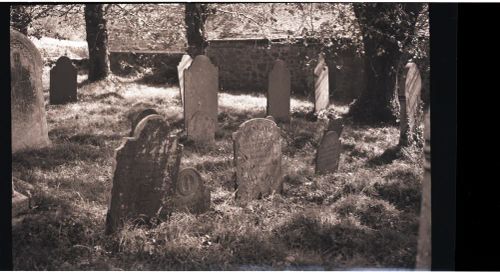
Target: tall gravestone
x=183, y=65
x=201, y=85
x=424, y=248
x=142, y=174
x=278, y=93
x=321, y=85
x=328, y=154
x=410, y=86
x=29, y=123
x=63, y=82
x=257, y=156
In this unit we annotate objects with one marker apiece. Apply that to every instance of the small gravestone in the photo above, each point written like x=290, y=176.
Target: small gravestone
x=257, y=156
x=410, y=86
x=20, y=203
x=63, y=82
x=278, y=93
x=183, y=65
x=191, y=195
x=424, y=252
x=328, y=156
x=141, y=173
x=138, y=116
x=201, y=84
x=29, y=123
x=321, y=85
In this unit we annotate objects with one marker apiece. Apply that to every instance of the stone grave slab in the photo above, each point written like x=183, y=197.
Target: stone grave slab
x=63, y=82
x=278, y=93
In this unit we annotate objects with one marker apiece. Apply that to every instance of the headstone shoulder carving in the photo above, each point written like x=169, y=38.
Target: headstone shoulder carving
x=29, y=123
x=191, y=195
x=63, y=82
x=321, y=85
x=278, y=94
x=183, y=65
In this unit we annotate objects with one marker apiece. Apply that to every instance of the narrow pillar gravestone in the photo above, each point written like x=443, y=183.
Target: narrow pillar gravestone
x=410, y=86
x=278, y=93
x=424, y=248
x=191, y=195
x=321, y=85
x=328, y=154
x=183, y=65
x=257, y=156
x=201, y=85
x=29, y=123
x=63, y=82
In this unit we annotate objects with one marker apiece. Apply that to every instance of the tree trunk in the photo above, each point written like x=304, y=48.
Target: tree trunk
x=384, y=41
x=20, y=18
x=195, y=17
x=97, y=40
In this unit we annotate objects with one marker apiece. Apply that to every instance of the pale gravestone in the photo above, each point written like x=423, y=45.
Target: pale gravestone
x=29, y=123
x=278, y=93
x=410, y=86
x=63, y=82
x=424, y=248
x=321, y=85
x=257, y=156
x=191, y=195
x=328, y=154
x=141, y=177
x=201, y=84
x=183, y=65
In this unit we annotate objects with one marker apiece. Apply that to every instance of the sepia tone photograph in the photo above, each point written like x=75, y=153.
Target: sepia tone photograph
x=220, y=136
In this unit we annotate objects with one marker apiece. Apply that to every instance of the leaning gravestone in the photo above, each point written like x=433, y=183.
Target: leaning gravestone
x=278, y=93
x=183, y=65
x=328, y=156
x=191, y=195
x=257, y=156
x=63, y=82
x=141, y=173
x=410, y=87
x=29, y=124
x=201, y=84
x=321, y=85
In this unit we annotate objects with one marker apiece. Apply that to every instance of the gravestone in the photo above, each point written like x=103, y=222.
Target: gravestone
x=63, y=82
x=410, y=86
x=141, y=173
x=201, y=84
x=191, y=195
x=257, y=156
x=20, y=202
x=424, y=252
x=328, y=154
x=321, y=85
x=138, y=116
x=183, y=65
x=29, y=123
x=278, y=93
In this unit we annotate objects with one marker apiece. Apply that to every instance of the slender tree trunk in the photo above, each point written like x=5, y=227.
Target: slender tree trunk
x=195, y=17
x=97, y=40
x=20, y=19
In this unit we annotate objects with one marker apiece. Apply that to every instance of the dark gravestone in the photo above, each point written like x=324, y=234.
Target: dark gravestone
x=183, y=65
x=201, y=85
x=63, y=82
x=138, y=116
x=141, y=173
x=328, y=156
x=410, y=86
x=424, y=252
x=29, y=123
x=191, y=195
x=278, y=93
x=321, y=85
x=257, y=156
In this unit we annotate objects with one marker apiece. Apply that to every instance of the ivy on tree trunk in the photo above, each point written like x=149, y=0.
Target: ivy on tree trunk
x=97, y=40
x=195, y=17
x=20, y=19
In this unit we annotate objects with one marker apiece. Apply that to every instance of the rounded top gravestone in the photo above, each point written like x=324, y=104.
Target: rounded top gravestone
x=278, y=93
x=63, y=79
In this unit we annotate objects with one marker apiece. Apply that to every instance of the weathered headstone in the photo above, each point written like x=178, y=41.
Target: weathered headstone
x=328, y=156
x=201, y=84
x=141, y=173
x=321, y=85
x=20, y=202
x=138, y=116
x=183, y=65
x=424, y=248
x=278, y=93
x=191, y=195
x=63, y=82
x=257, y=156
x=410, y=86
x=29, y=124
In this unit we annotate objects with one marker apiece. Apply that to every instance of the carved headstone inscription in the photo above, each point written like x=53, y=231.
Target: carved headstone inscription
x=29, y=124
x=201, y=84
x=141, y=175
x=321, y=85
x=191, y=195
x=328, y=156
x=278, y=93
x=183, y=65
x=410, y=87
x=63, y=82
x=257, y=156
